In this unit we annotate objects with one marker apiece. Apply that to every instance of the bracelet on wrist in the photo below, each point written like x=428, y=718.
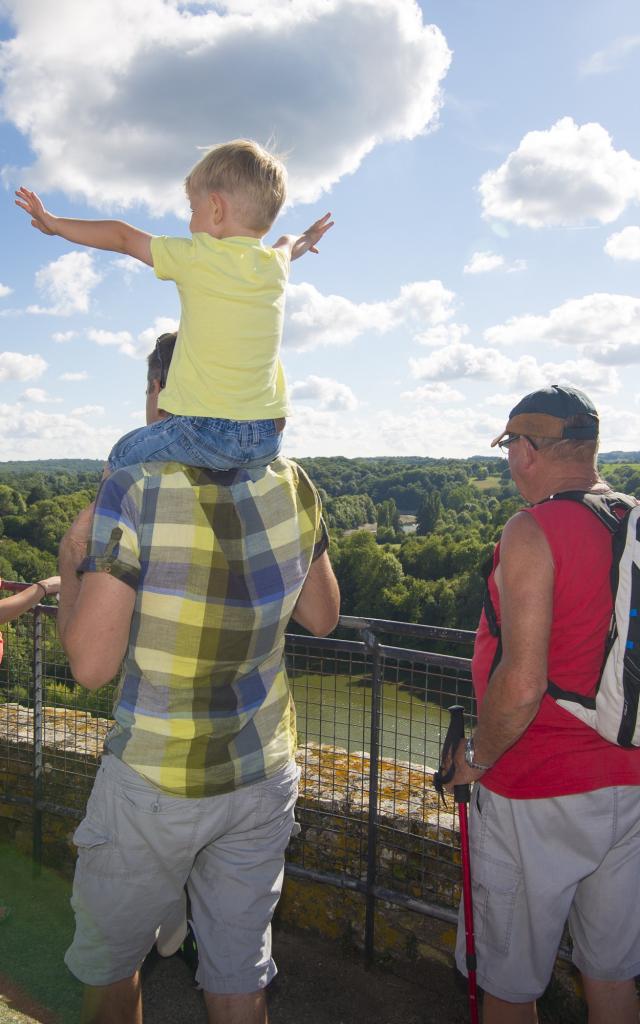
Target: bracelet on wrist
x=469, y=756
x=44, y=589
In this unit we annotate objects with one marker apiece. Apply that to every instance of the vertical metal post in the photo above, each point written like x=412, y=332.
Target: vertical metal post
x=372, y=645
x=38, y=764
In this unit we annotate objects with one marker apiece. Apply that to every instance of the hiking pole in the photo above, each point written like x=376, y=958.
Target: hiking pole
x=461, y=797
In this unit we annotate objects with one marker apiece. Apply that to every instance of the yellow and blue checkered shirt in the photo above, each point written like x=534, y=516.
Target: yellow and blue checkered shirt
x=217, y=560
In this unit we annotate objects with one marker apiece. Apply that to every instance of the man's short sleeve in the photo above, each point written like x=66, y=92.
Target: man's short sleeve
x=322, y=540
x=114, y=546
x=171, y=257
x=312, y=502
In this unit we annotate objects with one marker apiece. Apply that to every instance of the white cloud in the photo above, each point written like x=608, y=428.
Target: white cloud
x=619, y=427
x=433, y=431
x=566, y=175
x=127, y=265
x=469, y=361
x=483, y=262
x=503, y=400
x=438, y=393
x=147, y=338
x=88, y=410
x=67, y=282
x=582, y=373
x=314, y=319
x=461, y=362
x=159, y=78
x=122, y=340
x=443, y=334
x=603, y=326
x=5, y=290
x=625, y=244
x=61, y=337
x=39, y=396
x=326, y=392
x=35, y=434
x=80, y=375
x=16, y=366
x=611, y=57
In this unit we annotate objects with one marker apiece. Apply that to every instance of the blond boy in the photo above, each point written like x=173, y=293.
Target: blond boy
x=226, y=393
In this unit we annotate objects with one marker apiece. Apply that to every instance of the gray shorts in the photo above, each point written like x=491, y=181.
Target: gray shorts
x=535, y=863
x=137, y=849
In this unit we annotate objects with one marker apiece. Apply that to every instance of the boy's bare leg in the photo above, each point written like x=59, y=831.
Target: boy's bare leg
x=611, y=1001
x=237, y=1009
x=498, y=1011
x=120, y=1003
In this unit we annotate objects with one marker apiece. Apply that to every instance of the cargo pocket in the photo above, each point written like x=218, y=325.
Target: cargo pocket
x=97, y=852
x=495, y=891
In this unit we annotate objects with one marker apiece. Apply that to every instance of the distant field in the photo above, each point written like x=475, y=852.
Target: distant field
x=491, y=481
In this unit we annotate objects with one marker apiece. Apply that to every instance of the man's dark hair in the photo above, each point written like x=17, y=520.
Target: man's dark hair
x=159, y=360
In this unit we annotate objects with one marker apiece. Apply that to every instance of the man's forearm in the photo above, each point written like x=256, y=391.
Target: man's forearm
x=508, y=708
x=69, y=589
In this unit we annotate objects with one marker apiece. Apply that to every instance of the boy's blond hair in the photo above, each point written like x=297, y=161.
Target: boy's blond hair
x=255, y=178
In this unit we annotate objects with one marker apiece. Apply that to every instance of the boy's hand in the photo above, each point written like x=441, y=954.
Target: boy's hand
x=51, y=585
x=32, y=204
x=307, y=241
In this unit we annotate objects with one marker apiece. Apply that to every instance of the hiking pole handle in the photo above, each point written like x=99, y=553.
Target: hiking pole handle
x=453, y=738
x=462, y=793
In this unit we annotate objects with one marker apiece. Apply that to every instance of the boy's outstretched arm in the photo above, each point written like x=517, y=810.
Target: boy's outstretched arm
x=307, y=241
x=114, y=235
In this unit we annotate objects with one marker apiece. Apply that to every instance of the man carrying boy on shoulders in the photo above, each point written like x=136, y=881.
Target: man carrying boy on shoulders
x=191, y=577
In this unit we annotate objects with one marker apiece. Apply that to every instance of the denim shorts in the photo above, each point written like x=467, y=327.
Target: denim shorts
x=535, y=863
x=137, y=849
x=200, y=441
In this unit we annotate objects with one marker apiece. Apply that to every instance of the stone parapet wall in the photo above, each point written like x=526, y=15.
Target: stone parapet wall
x=417, y=844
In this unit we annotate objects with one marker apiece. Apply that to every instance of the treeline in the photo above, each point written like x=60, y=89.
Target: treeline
x=429, y=576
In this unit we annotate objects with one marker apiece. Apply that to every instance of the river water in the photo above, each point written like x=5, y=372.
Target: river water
x=336, y=710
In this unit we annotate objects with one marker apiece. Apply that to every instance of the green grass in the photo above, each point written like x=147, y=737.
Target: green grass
x=490, y=481
x=36, y=934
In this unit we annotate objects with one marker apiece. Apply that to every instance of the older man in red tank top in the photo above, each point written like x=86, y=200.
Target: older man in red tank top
x=555, y=816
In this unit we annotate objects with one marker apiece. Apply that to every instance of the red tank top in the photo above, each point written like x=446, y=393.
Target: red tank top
x=558, y=754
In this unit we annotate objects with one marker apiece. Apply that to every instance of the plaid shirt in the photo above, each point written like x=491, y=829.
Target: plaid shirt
x=217, y=560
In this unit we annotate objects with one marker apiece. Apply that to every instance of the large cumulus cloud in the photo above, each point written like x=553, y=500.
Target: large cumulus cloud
x=566, y=175
x=115, y=97
x=602, y=326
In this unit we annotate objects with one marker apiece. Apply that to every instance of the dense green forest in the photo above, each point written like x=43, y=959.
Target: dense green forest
x=430, y=575
x=454, y=508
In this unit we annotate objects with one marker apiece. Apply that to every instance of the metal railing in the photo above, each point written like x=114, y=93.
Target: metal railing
x=371, y=716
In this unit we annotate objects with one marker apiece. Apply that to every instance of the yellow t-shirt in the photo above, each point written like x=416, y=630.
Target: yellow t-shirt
x=232, y=292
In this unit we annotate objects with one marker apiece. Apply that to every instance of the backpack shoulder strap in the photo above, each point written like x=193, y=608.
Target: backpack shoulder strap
x=609, y=506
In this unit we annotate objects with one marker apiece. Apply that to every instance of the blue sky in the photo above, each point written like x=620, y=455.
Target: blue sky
x=481, y=161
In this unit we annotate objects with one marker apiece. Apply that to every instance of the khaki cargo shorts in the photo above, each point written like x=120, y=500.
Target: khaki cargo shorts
x=535, y=863
x=137, y=849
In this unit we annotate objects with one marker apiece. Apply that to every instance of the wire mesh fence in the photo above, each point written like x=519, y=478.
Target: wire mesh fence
x=371, y=717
